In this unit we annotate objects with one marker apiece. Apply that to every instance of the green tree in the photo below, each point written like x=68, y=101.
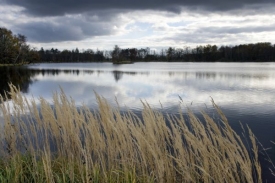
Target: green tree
x=8, y=46
x=14, y=49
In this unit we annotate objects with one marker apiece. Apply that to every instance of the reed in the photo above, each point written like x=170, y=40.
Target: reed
x=60, y=142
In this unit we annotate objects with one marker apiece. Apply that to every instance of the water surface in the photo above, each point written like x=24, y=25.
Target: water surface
x=244, y=91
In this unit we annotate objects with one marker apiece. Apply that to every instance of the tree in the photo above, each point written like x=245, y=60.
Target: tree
x=116, y=54
x=133, y=54
x=170, y=53
x=8, y=47
x=14, y=49
x=22, y=48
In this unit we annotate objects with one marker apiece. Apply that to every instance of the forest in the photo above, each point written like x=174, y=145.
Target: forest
x=15, y=50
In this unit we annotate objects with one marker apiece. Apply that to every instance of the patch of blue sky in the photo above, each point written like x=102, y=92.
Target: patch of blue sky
x=142, y=25
x=138, y=30
x=179, y=24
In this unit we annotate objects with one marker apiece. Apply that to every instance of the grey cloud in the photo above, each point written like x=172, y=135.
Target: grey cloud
x=66, y=28
x=237, y=30
x=212, y=34
x=70, y=20
x=48, y=32
x=61, y=7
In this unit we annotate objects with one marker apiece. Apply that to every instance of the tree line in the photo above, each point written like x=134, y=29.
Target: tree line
x=74, y=55
x=258, y=52
x=14, y=49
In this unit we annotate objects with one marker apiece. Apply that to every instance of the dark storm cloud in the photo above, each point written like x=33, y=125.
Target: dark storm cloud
x=61, y=7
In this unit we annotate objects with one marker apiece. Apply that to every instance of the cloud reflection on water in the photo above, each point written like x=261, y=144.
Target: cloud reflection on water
x=231, y=88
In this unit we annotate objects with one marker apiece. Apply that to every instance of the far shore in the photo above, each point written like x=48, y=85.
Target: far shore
x=126, y=62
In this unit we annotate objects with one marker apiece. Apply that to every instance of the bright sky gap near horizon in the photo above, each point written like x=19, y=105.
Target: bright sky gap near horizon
x=67, y=24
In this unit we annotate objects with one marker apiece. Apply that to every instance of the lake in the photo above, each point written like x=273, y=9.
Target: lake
x=244, y=91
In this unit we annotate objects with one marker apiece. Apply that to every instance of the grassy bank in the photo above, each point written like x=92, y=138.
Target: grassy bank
x=63, y=143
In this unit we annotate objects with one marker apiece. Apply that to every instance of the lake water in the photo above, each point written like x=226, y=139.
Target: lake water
x=244, y=91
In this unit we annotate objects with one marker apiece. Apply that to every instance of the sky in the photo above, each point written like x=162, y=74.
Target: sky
x=101, y=24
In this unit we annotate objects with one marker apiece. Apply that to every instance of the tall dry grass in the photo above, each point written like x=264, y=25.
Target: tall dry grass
x=64, y=143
